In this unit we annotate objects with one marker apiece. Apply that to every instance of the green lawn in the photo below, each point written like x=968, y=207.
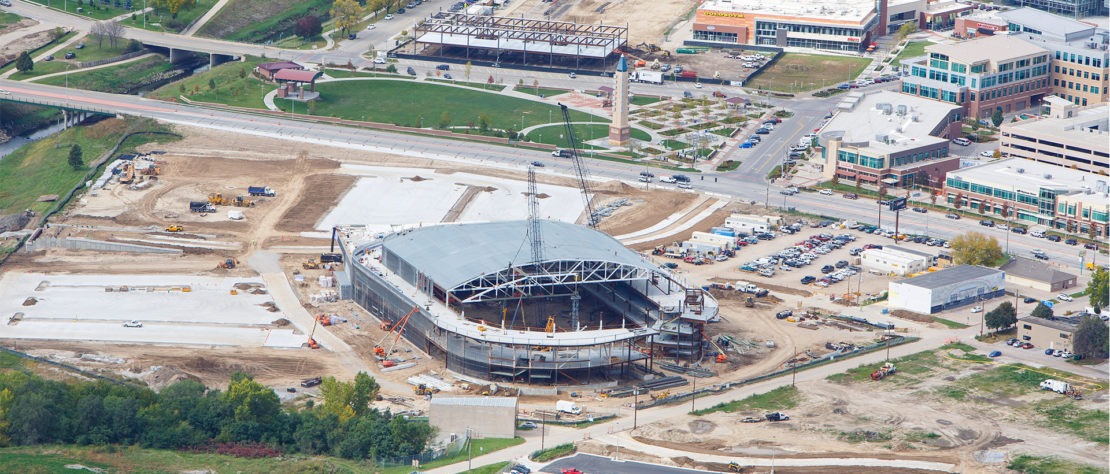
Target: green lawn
x=95, y=50
x=119, y=79
x=42, y=68
x=61, y=39
x=949, y=323
x=1026, y=464
x=778, y=399
x=53, y=459
x=7, y=18
x=539, y=91
x=474, y=85
x=556, y=134
x=259, y=21
x=494, y=468
x=795, y=72
x=674, y=144
x=41, y=167
x=234, y=85
x=645, y=100
x=414, y=103
x=912, y=50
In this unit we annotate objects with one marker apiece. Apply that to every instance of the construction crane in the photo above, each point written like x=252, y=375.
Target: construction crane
x=400, y=326
x=721, y=357
x=579, y=167
x=534, y=217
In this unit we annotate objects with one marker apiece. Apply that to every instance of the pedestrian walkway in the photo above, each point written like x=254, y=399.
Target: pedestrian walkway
x=192, y=29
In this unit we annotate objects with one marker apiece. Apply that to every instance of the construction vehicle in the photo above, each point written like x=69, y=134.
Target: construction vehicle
x=721, y=357
x=749, y=303
x=151, y=170
x=735, y=467
x=887, y=369
x=201, y=206
x=228, y=264
x=381, y=352
x=777, y=416
x=175, y=228
x=323, y=319
x=312, y=382
x=261, y=191
x=216, y=199
x=422, y=389
x=660, y=395
x=311, y=264
x=128, y=173
x=242, y=201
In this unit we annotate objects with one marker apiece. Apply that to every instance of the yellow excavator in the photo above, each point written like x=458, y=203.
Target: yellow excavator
x=216, y=199
x=311, y=264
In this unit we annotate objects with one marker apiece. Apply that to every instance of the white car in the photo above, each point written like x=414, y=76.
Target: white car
x=371, y=26
x=697, y=85
x=1063, y=297
x=379, y=60
x=389, y=16
x=977, y=309
x=4, y=92
x=986, y=154
x=134, y=323
x=827, y=192
x=685, y=186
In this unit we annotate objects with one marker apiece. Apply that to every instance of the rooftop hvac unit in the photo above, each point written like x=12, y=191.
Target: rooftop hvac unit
x=902, y=109
x=1020, y=170
x=882, y=137
x=884, y=107
x=1047, y=176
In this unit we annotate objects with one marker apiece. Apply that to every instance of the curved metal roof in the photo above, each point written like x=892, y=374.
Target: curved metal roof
x=453, y=254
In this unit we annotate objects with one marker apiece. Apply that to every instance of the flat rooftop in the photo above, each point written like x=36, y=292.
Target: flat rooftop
x=815, y=10
x=1089, y=127
x=1026, y=175
x=905, y=121
x=994, y=49
x=1052, y=25
x=948, y=276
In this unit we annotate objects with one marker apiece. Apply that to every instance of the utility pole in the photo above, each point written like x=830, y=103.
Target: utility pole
x=543, y=428
x=469, y=448
x=635, y=405
x=794, y=367
x=693, y=393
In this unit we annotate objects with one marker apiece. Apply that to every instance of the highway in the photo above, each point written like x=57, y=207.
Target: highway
x=740, y=184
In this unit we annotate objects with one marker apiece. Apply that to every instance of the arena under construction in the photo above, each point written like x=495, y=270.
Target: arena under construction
x=578, y=308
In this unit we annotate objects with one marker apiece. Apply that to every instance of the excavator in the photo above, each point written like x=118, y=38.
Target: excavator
x=128, y=173
x=422, y=390
x=242, y=201
x=215, y=199
x=311, y=264
x=228, y=264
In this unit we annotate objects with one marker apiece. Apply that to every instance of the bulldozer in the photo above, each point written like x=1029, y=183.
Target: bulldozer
x=422, y=390
x=242, y=201
x=151, y=170
x=175, y=228
x=311, y=264
x=661, y=395
x=216, y=199
x=228, y=264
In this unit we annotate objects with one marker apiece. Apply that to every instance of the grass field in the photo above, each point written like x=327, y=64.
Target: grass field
x=95, y=50
x=8, y=19
x=259, y=21
x=778, y=399
x=795, y=72
x=411, y=104
x=478, y=447
x=234, y=86
x=41, y=167
x=42, y=68
x=34, y=52
x=912, y=50
x=539, y=91
x=555, y=134
x=489, y=468
x=158, y=20
x=119, y=79
x=1047, y=465
x=644, y=100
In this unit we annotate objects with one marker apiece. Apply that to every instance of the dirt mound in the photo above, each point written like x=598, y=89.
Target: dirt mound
x=321, y=193
x=416, y=179
x=270, y=306
x=30, y=301
x=912, y=316
x=281, y=322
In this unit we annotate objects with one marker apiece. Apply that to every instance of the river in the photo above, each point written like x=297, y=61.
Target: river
x=16, y=142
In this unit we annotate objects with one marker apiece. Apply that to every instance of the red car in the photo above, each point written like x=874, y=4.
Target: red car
x=1027, y=346
x=571, y=471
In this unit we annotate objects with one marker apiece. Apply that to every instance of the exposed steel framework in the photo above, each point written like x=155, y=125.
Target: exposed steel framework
x=525, y=35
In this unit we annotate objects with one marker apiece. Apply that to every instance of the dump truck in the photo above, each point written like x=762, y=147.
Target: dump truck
x=201, y=206
x=261, y=191
x=331, y=258
x=651, y=77
x=312, y=382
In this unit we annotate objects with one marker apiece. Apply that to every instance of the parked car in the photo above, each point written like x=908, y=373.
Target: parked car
x=134, y=323
x=986, y=154
x=1064, y=297
x=808, y=279
x=444, y=67
x=528, y=425
x=1029, y=299
x=995, y=354
x=1027, y=345
x=827, y=192
x=977, y=309
x=851, y=196
x=827, y=269
x=952, y=216
x=389, y=16
x=71, y=55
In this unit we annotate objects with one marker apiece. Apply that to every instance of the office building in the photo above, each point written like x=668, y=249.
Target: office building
x=1069, y=136
x=983, y=75
x=889, y=139
x=1080, y=58
x=838, y=25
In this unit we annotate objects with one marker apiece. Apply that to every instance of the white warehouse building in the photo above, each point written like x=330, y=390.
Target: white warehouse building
x=892, y=260
x=953, y=287
x=752, y=223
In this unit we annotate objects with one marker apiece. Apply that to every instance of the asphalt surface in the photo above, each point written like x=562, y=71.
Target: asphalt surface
x=590, y=464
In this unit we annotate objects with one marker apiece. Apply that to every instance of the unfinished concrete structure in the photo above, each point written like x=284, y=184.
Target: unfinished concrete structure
x=579, y=308
x=484, y=417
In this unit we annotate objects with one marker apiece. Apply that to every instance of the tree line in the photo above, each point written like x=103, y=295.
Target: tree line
x=188, y=415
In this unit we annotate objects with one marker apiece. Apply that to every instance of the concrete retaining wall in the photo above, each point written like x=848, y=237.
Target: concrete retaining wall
x=77, y=243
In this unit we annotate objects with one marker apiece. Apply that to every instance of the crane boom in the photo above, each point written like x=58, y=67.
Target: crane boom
x=579, y=168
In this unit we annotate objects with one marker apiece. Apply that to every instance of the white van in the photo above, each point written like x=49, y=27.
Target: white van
x=1037, y=233
x=961, y=141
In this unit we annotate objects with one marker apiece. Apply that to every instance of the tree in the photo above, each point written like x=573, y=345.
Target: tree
x=308, y=26
x=211, y=84
x=97, y=31
x=1041, y=311
x=933, y=198
x=1099, y=294
x=1002, y=317
x=346, y=13
x=175, y=6
x=444, y=119
x=996, y=117
x=75, y=157
x=959, y=202
x=483, y=122
x=906, y=29
x=1091, y=338
x=974, y=248
x=466, y=70
x=24, y=63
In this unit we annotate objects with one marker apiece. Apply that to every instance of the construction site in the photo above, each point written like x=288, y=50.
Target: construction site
x=445, y=277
